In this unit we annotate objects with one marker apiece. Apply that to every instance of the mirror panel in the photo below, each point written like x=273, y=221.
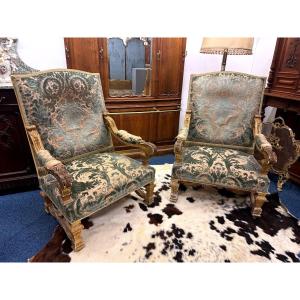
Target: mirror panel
x=129, y=66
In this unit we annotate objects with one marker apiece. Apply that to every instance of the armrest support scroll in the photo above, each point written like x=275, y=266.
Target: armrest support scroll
x=51, y=164
x=265, y=148
x=182, y=137
x=180, y=140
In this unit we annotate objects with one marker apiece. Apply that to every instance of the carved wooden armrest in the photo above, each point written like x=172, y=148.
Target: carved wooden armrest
x=129, y=139
x=51, y=164
x=265, y=148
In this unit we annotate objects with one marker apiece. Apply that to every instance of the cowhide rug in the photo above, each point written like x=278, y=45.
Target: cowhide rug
x=205, y=225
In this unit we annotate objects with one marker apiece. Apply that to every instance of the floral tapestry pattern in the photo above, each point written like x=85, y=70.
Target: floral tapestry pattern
x=223, y=107
x=66, y=107
x=221, y=166
x=128, y=137
x=98, y=180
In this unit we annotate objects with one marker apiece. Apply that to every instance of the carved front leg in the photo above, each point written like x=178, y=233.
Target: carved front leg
x=257, y=199
x=149, y=193
x=174, y=190
x=73, y=230
x=76, y=235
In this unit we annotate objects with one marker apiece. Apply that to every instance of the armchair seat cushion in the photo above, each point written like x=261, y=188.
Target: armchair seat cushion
x=98, y=180
x=221, y=167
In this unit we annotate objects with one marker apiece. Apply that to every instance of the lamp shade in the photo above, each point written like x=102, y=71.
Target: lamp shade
x=234, y=46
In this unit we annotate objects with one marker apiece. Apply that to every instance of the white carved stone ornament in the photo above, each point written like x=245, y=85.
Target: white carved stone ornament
x=10, y=61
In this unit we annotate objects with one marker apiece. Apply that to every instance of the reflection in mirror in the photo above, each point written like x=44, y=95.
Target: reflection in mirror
x=129, y=67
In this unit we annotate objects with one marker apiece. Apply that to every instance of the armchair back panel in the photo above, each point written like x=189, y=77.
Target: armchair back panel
x=67, y=108
x=223, y=106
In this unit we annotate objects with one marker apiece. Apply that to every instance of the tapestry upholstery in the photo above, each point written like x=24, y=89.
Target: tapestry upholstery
x=221, y=167
x=130, y=138
x=44, y=157
x=67, y=108
x=98, y=180
x=223, y=106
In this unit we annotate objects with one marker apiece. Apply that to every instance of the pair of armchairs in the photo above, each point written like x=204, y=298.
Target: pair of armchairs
x=69, y=132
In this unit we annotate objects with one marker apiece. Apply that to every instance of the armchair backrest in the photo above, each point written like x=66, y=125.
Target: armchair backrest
x=223, y=106
x=67, y=107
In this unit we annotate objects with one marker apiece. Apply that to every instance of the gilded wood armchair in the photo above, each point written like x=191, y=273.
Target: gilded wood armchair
x=69, y=131
x=222, y=128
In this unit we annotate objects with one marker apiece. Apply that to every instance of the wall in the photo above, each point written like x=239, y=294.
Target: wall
x=258, y=64
x=42, y=52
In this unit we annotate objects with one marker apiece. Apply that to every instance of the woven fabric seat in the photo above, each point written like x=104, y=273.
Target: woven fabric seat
x=98, y=180
x=221, y=166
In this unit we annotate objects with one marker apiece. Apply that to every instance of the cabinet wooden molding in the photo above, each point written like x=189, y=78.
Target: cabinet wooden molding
x=284, y=77
x=283, y=88
x=154, y=117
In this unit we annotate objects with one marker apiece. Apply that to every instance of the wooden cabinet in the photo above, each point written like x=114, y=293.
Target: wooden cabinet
x=284, y=77
x=283, y=88
x=83, y=54
x=169, y=54
x=154, y=117
x=166, y=131
x=17, y=168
